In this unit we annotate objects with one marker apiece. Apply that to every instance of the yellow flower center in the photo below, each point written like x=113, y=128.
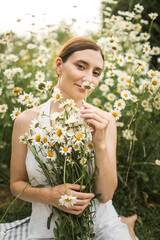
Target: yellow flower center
x=122, y=79
x=126, y=95
x=44, y=139
x=65, y=149
x=57, y=96
x=111, y=40
x=114, y=114
x=70, y=105
x=119, y=104
x=50, y=154
x=59, y=132
x=2, y=108
x=37, y=138
x=90, y=146
x=40, y=61
x=155, y=51
x=142, y=69
x=153, y=74
x=68, y=200
x=129, y=57
x=154, y=82
x=79, y=136
x=17, y=113
x=76, y=147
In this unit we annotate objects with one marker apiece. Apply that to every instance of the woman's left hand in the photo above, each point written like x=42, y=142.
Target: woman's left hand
x=98, y=120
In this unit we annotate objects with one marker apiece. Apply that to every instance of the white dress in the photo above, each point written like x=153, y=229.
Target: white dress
x=107, y=224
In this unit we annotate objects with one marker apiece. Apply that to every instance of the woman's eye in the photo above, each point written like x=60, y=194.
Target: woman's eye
x=96, y=74
x=80, y=66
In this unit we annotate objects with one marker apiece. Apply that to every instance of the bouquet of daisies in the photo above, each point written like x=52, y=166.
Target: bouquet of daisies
x=68, y=149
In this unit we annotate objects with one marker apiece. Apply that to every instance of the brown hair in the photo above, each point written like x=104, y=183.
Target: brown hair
x=78, y=44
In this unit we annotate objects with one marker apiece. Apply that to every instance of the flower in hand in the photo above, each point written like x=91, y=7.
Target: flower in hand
x=67, y=201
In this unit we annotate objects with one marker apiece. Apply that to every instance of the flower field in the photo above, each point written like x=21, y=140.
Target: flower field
x=129, y=88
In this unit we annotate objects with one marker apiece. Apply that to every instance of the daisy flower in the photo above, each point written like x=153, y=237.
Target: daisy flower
x=41, y=61
x=129, y=57
x=157, y=162
x=15, y=113
x=127, y=134
x=88, y=86
x=126, y=95
x=101, y=42
x=31, y=46
x=145, y=36
x=152, y=73
x=3, y=108
x=65, y=150
x=17, y=90
x=134, y=98
x=96, y=101
x=116, y=113
x=120, y=104
x=104, y=88
x=155, y=51
x=144, y=103
x=56, y=94
x=109, y=82
x=51, y=155
x=138, y=8
x=120, y=124
x=157, y=106
x=83, y=161
x=120, y=60
x=146, y=48
x=12, y=58
x=148, y=109
x=40, y=76
x=108, y=106
x=67, y=201
x=153, y=16
x=111, y=97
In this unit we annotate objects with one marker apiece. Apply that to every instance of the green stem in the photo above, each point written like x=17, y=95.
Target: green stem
x=150, y=26
x=13, y=202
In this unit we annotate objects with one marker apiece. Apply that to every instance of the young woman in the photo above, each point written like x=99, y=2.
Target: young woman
x=79, y=60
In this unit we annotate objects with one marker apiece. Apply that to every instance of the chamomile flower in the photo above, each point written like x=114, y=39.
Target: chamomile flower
x=51, y=155
x=83, y=161
x=153, y=16
x=41, y=61
x=126, y=94
x=40, y=76
x=108, y=106
x=119, y=104
x=15, y=113
x=138, y=8
x=96, y=101
x=67, y=201
x=109, y=82
x=65, y=149
x=129, y=57
x=111, y=97
x=104, y=88
x=3, y=108
x=152, y=73
x=120, y=60
x=116, y=113
x=17, y=90
x=134, y=98
x=120, y=124
x=145, y=36
x=101, y=42
x=127, y=134
x=157, y=162
x=148, y=109
x=147, y=48
x=88, y=86
x=155, y=51
x=56, y=95
x=12, y=58
x=31, y=46
x=157, y=106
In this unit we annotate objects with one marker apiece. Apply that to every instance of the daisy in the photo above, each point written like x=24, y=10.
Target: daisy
x=108, y=106
x=155, y=51
x=129, y=57
x=148, y=109
x=31, y=46
x=134, y=98
x=127, y=134
x=12, y=58
x=145, y=36
x=111, y=73
x=65, y=150
x=120, y=60
x=138, y=8
x=41, y=61
x=3, y=108
x=157, y=106
x=56, y=94
x=120, y=124
x=96, y=101
x=17, y=90
x=15, y=113
x=155, y=82
x=51, y=155
x=116, y=113
x=40, y=85
x=152, y=73
x=153, y=16
x=88, y=86
x=0, y=91
x=120, y=104
x=144, y=103
x=157, y=162
x=104, y=88
x=146, y=48
x=67, y=201
x=111, y=96
x=40, y=76
x=126, y=95
x=83, y=161
x=76, y=147
x=109, y=81
x=101, y=42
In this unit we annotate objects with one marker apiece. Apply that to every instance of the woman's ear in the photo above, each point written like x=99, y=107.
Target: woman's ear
x=58, y=65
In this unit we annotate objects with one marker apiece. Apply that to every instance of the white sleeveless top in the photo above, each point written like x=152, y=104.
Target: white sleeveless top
x=107, y=224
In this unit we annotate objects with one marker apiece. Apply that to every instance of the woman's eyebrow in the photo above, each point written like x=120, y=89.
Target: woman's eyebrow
x=87, y=64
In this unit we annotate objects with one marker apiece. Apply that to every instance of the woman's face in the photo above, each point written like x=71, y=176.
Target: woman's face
x=85, y=65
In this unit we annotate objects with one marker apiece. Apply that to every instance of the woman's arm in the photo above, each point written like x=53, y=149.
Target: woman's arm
x=19, y=177
x=105, y=141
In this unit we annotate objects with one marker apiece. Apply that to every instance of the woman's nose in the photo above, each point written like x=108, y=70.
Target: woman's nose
x=88, y=77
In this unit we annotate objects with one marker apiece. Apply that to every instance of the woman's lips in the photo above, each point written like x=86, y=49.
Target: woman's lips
x=79, y=86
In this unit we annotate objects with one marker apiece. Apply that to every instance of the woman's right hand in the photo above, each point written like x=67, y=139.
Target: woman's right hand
x=51, y=196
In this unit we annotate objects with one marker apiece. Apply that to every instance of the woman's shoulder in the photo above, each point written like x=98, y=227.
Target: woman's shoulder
x=25, y=118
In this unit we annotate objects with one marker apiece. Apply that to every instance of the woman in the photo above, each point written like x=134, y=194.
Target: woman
x=79, y=60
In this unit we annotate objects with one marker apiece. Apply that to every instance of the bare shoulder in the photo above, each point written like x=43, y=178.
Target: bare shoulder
x=24, y=120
